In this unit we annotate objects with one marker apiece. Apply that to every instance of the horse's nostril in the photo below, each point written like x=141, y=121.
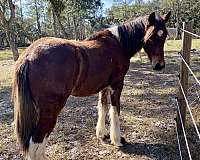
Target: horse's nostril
x=158, y=66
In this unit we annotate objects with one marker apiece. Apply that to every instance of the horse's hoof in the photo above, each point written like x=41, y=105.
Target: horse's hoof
x=117, y=144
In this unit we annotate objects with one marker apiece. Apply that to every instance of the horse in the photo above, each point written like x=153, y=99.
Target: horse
x=52, y=69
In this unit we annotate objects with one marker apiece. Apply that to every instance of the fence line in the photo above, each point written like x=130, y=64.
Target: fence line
x=182, y=100
x=189, y=69
x=183, y=129
x=187, y=104
x=186, y=48
x=196, y=35
x=178, y=141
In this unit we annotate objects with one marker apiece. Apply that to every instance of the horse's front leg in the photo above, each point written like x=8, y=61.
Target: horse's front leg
x=114, y=113
x=104, y=96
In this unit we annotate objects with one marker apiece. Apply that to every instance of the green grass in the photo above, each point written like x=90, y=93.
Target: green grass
x=7, y=54
x=176, y=45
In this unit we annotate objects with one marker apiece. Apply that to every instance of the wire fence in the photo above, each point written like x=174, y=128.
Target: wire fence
x=197, y=82
x=190, y=33
x=184, y=134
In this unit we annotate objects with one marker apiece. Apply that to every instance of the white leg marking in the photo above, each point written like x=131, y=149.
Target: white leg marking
x=114, y=127
x=101, y=130
x=36, y=151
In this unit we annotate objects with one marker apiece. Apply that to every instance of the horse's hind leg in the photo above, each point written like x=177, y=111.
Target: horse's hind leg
x=114, y=113
x=47, y=120
x=101, y=131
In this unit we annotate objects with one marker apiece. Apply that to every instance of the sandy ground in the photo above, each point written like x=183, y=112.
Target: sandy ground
x=147, y=119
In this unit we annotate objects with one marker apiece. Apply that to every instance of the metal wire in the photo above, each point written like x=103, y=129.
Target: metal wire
x=190, y=33
x=187, y=104
x=183, y=128
x=189, y=69
x=178, y=141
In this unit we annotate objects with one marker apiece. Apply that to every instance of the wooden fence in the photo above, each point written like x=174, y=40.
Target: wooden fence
x=182, y=99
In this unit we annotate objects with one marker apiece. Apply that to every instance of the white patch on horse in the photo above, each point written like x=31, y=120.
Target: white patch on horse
x=115, y=135
x=36, y=151
x=114, y=31
x=160, y=33
x=101, y=130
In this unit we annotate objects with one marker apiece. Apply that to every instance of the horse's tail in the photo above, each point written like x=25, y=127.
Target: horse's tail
x=26, y=114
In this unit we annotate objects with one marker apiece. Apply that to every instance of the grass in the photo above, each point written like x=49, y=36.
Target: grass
x=176, y=45
x=7, y=54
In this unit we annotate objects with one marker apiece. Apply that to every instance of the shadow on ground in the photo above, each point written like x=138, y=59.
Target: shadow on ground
x=6, y=108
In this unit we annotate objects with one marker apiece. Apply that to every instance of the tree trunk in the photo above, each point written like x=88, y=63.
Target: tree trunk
x=61, y=26
x=38, y=19
x=8, y=25
x=54, y=24
x=75, y=28
x=11, y=40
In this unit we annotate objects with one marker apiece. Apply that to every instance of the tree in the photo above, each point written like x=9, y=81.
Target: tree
x=37, y=17
x=57, y=8
x=7, y=22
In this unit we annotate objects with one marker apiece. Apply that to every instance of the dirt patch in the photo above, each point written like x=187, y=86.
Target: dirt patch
x=147, y=119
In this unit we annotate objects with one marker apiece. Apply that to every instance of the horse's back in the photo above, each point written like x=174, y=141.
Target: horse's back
x=52, y=67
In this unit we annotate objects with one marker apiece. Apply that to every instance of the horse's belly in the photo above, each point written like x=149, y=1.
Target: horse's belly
x=84, y=91
x=91, y=86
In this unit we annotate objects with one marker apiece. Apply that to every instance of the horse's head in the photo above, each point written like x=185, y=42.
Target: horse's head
x=154, y=39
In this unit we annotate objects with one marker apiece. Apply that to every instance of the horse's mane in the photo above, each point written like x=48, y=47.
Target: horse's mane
x=131, y=34
x=100, y=34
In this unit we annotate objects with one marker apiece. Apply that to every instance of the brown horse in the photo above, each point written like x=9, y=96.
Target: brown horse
x=52, y=69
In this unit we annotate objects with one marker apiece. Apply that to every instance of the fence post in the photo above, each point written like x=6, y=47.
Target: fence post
x=186, y=47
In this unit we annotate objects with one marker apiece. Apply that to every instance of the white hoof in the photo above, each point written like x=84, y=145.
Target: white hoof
x=118, y=144
x=101, y=132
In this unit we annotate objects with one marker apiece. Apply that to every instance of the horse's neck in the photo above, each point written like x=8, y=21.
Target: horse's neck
x=130, y=37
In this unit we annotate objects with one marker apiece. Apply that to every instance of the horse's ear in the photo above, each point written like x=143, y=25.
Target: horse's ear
x=152, y=18
x=167, y=16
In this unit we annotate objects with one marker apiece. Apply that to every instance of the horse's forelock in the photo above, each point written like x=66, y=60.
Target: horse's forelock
x=150, y=31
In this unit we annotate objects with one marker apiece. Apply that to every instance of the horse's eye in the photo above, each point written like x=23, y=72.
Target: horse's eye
x=160, y=33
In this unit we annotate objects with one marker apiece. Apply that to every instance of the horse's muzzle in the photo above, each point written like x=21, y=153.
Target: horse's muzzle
x=158, y=67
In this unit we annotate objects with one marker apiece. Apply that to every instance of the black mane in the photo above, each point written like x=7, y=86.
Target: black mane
x=131, y=35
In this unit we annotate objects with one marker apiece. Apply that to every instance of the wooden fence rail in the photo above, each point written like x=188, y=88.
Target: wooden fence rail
x=186, y=47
